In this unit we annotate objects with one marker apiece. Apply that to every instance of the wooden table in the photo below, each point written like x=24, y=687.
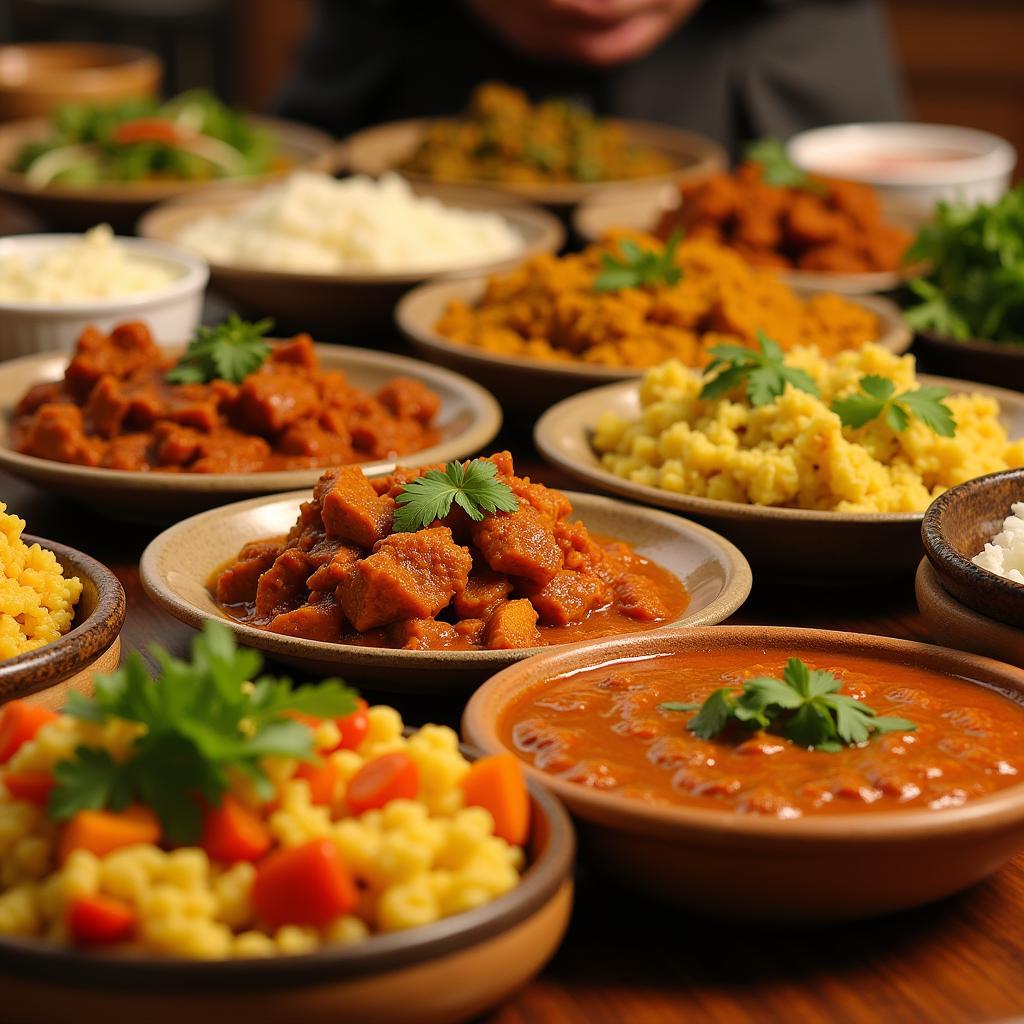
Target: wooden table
x=627, y=959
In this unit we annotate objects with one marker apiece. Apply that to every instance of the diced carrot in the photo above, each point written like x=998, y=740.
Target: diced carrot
x=148, y=129
x=322, y=778
x=388, y=777
x=19, y=722
x=353, y=727
x=101, y=832
x=231, y=832
x=496, y=783
x=35, y=787
x=99, y=920
x=307, y=885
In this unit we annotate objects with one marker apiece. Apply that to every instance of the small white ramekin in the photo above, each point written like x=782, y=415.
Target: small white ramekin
x=172, y=311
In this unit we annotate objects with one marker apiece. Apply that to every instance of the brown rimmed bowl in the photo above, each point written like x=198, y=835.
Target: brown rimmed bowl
x=440, y=973
x=45, y=675
x=177, y=566
x=469, y=419
x=992, y=362
x=788, y=544
x=809, y=869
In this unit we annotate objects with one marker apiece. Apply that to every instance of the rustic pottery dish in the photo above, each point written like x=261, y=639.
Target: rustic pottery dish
x=92, y=645
x=440, y=973
x=809, y=869
x=833, y=548
x=469, y=418
x=991, y=362
x=176, y=568
x=957, y=526
x=532, y=385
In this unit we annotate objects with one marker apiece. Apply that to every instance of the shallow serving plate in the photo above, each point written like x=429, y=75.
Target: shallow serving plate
x=811, y=869
x=351, y=300
x=784, y=543
x=531, y=385
x=45, y=675
x=177, y=565
x=469, y=418
x=441, y=973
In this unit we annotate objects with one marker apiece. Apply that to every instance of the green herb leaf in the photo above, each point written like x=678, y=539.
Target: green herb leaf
x=877, y=397
x=714, y=714
x=639, y=267
x=231, y=351
x=776, y=166
x=678, y=705
x=474, y=487
x=763, y=371
x=91, y=780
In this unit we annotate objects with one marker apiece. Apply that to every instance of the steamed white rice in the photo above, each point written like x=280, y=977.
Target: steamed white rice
x=1004, y=555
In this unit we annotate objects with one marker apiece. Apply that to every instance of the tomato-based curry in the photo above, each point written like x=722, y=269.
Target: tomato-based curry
x=605, y=728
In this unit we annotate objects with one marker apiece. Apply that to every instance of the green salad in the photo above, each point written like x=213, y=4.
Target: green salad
x=193, y=137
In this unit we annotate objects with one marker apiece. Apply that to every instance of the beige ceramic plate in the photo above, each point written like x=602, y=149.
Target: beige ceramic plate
x=469, y=419
x=176, y=566
x=382, y=148
x=814, y=868
x=119, y=204
x=832, y=548
x=531, y=385
x=341, y=301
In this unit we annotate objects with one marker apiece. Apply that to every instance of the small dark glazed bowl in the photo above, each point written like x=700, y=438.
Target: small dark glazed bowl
x=990, y=362
x=957, y=526
x=92, y=644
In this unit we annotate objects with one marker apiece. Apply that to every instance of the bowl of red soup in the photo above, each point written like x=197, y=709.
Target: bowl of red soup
x=770, y=773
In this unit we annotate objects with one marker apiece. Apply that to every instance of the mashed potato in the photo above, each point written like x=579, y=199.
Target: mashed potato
x=316, y=223
x=95, y=266
x=794, y=452
x=1005, y=554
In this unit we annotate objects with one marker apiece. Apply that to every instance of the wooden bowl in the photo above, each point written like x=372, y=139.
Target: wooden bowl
x=440, y=973
x=809, y=869
x=532, y=385
x=37, y=78
x=120, y=204
x=991, y=362
x=176, y=568
x=469, y=419
x=957, y=526
x=45, y=675
x=382, y=148
x=349, y=301
x=832, y=548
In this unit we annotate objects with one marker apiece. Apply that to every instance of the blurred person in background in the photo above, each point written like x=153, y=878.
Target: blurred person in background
x=732, y=69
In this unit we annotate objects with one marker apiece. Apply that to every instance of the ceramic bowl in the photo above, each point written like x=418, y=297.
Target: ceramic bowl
x=349, y=301
x=171, y=311
x=120, y=204
x=45, y=675
x=382, y=148
x=810, y=869
x=177, y=566
x=991, y=362
x=469, y=419
x=441, y=973
x=788, y=544
x=957, y=526
x=532, y=385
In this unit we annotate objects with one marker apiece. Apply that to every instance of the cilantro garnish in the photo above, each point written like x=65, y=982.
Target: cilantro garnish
x=776, y=166
x=804, y=706
x=473, y=487
x=762, y=370
x=877, y=397
x=638, y=266
x=201, y=720
x=230, y=351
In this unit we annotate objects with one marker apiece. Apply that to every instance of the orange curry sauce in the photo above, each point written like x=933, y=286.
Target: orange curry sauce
x=603, y=728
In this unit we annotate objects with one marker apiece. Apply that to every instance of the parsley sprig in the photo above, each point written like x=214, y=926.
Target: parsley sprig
x=877, y=397
x=230, y=351
x=639, y=267
x=777, y=168
x=201, y=720
x=473, y=487
x=763, y=371
x=804, y=706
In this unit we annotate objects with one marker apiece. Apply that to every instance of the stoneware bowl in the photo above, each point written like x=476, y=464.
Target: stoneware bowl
x=177, y=566
x=340, y=302
x=832, y=548
x=45, y=675
x=991, y=362
x=532, y=385
x=957, y=526
x=809, y=869
x=441, y=973
x=469, y=418
x=955, y=625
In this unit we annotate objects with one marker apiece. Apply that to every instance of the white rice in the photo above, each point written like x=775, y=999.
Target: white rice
x=1004, y=555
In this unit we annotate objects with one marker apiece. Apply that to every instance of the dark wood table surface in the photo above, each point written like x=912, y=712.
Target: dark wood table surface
x=628, y=959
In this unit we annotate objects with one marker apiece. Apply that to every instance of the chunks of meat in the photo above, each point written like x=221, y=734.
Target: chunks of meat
x=282, y=582
x=330, y=573
x=174, y=445
x=408, y=576
x=269, y=402
x=471, y=631
x=227, y=452
x=128, y=348
x=297, y=352
x=519, y=543
x=512, y=625
x=350, y=507
x=567, y=597
x=637, y=596
x=37, y=395
x=484, y=589
x=407, y=398
x=57, y=432
x=421, y=635
x=237, y=584
x=323, y=620
x=127, y=451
